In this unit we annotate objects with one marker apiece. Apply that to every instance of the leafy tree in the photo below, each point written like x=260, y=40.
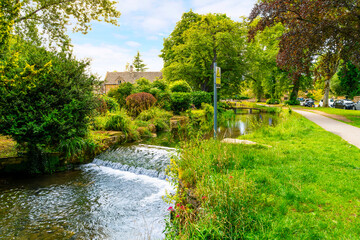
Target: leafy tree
x=47, y=20
x=196, y=43
x=138, y=63
x=329, y=28
x=46, y=98
x=349, y=76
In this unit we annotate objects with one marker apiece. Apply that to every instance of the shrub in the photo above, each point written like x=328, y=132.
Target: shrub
x=164, y=100
x=138, y=102
x=272, y=101
x=160, y=84
x=121, y=93
x=199, y=97
x=101, y=106
x=111, y=103
x=120, y=121
x=180, y=101
x=159, y=117
x=142, y=85
x=292, y=102
x=180, y=86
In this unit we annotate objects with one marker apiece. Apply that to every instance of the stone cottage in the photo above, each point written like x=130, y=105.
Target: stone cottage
x=113, y=79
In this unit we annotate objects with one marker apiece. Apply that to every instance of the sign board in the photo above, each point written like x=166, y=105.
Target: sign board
x=218, y=77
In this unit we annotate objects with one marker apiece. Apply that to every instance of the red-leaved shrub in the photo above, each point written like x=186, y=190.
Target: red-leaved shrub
x=138, y=102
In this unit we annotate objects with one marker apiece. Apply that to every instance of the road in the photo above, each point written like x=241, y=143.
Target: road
x=349, y=133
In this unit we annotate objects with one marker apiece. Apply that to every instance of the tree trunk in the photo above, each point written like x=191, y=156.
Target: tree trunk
x=326, y=92
x=295, y=90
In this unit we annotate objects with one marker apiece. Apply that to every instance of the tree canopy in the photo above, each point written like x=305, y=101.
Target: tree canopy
x=312, y=28
x=42, y=21
x=197, y=42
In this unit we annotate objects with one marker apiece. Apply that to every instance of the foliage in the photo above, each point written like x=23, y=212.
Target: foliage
x=138, y=63
x=180, y=86
x=273, y=101
x=238, y=191
x=180, y=101
x=164, y=100
x=349, y=76
x=292, y=102
x=111, y=103
x=45, y=98
x=329, y=28
x=142, y=85
x=120, y=121
x=51, y=18
x=121, y=93
x=196, y=43
x=159, y=117
x=160, y=83
x=199, y=97
x=101, y=106
x=138, y=102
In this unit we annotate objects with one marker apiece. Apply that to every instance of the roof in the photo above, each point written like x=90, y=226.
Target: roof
x=131, y=77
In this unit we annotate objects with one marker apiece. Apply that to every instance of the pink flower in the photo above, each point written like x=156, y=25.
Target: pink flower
x=182, y=208
x=178, y=205
x=204, y=197
x=178, y=216
x=171, y=209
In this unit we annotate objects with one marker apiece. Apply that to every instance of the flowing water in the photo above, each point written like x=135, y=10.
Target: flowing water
x=117, y=196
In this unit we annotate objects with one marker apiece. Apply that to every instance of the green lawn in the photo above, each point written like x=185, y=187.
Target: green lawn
x=353, y=115
x=306, y=186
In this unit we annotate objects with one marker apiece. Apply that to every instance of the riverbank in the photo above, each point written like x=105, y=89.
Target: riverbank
x=304, y=187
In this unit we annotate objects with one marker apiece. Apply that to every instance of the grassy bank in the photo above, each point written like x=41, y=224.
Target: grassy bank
x=304, y=187
x=352, y=115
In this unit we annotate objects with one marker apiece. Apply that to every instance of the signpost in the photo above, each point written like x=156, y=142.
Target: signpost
x=217, y=82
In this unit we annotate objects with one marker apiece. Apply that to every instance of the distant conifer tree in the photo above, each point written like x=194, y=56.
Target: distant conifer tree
x=138, y=63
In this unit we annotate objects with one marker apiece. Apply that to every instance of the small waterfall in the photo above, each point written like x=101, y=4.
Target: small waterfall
x=139, y=159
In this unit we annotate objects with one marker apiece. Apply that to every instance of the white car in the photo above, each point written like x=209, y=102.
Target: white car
x=331, y=102
x=357, y=106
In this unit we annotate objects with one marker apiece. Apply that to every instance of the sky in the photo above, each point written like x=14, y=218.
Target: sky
x=143, y=26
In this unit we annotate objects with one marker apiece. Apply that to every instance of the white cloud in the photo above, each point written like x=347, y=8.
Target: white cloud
x=133, y=44
x=232, y=8
x=108, y=58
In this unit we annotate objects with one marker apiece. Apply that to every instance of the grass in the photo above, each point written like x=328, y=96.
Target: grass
x=352, y=115
x=7, y=147
x=306, y=186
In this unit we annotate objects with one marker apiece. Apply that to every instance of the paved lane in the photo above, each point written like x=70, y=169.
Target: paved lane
x=349, y=133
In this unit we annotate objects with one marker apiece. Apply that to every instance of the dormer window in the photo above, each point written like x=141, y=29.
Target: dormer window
x=119, y=81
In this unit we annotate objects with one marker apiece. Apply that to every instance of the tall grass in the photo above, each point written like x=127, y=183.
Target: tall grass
x=157, y=116
x=303, y=187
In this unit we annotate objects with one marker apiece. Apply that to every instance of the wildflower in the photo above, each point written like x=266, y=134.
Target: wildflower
x=182, y=208
x=204, y=197
x=171, y=209
x=231, y=177
x=178, y=216
x=178, y=205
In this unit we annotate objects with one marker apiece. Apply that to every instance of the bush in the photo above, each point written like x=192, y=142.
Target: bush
x=292, y=102
x=199, y=97
x=121, y=93
x=180, y=86
x=138, y=102
x=120, y=121
x=142, y=85
x=159, y=117
x=164, y=100
x=101, y=106
x=180, y=101
x=160, y=84
x=272, y=101
x=111, y=103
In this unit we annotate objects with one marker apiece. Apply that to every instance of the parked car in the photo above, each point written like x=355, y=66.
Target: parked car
x=330, y=103
x=344, y=104
x=357, y=105
x=309, y=102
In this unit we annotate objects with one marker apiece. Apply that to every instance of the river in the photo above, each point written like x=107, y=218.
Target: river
x=117, y=196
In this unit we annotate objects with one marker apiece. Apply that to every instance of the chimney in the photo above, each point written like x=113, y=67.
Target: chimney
x=131, y=68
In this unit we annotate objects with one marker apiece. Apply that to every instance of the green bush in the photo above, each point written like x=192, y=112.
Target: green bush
x=142, y=85
x=180, y=86
x=199, y=97
x=164, y=100
x=48, y=98
x=138, y=102
x=159, y=117
x=121, y=93
x=272, y=101
x=160, y=84
x=180, y=101
x=111, y=103
x=292, y=102
x=120, y=121
x=101, y=106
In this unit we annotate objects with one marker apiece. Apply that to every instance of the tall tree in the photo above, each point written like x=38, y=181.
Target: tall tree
x=200, y=40
x=138, y=63
x=349, y=76
x=313, y=28
x=48, y=20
